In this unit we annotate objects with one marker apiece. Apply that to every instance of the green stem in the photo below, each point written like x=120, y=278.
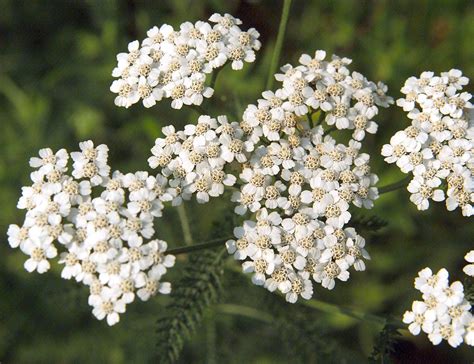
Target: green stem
x=395, y=186
x=333, y=309
x=211, y=341
x=253, y=313
x=183, y=217
x=350, y=312
x=192, y=248
x=199, y=109
x=279, y=43
x=245, y=311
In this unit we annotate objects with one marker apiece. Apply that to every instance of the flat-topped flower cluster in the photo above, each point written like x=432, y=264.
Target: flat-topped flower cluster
x=444, y=313
x=299, y=182
x=174, y=64
x=437, y=148
x=99, y=224
x=295, y=177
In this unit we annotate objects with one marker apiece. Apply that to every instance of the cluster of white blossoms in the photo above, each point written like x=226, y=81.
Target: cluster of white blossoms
x=193, y=161
x=174, y=64
x=99, y=225
x=299, y=182
x=438, y=145
x=444, y=313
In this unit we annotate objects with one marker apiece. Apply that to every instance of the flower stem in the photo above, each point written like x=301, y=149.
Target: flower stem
x=330, y=308
x=395, y=186
x=278, y=43
x=326, y=307
x=211, y=341
x=350, y=312
x=245, y=311
x=191, y=248
x=183, y=217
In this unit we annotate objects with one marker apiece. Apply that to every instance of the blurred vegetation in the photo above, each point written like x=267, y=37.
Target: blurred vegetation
x=55, y=63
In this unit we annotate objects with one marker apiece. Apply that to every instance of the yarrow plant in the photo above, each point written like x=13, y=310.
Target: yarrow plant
x=437, y=148
x=293, y=162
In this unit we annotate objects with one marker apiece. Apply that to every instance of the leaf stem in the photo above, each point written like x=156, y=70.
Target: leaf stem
x=192, y=248
x=278, y=43
x=395, y=186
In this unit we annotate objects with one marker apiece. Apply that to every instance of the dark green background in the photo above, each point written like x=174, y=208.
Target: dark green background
x=55, y=63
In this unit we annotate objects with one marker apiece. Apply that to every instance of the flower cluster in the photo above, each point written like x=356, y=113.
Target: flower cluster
x=100, y=225
x=174, y=63
x=193, y=161
x=299, y=182
x=444, y=313
x=437, y=146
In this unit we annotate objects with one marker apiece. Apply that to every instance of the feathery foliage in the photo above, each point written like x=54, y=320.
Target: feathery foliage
x=302, y=333
x=199, y=288
x=384, y=345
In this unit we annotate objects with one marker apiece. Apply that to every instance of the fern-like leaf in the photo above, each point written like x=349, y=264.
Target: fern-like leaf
x=198, y=288
x=384, y=345
x=303, y=334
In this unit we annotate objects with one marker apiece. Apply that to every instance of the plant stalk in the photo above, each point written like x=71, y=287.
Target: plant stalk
x=183, y=217
x=351, y=312
x=245, y=311
x=395, y=186
x=192, y=248
x=278, y=43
